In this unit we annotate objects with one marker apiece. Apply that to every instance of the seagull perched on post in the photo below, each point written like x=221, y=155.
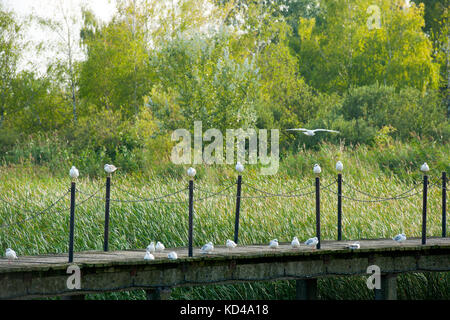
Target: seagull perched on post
x=74, y=172
x=207, y=248
x=399, y=238
x=339, y=166
x=11, y=255
x=273, y=244
x=110, y=168
x=425, y=167
x=239, y=167
x=295, y=243
x=312, y=242
x=231, y=244
x=317, y=169
x=310, y=133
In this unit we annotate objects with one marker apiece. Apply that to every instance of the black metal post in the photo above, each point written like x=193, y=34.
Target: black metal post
x=72, y=220
x=318, y=211
x=238, y=208
x=424, y=210
x=191, y=214
x=108, y=195
x=339, y=207
x=444, y=204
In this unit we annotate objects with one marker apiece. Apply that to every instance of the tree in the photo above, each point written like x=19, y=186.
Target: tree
x=343, y=51
x=9, y=56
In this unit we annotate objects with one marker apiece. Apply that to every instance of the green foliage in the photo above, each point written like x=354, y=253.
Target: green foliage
x=343, y=52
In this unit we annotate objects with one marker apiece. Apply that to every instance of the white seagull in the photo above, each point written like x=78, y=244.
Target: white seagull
x=273, y=244
x=317, y=169
x=110, y=168
x=74, y=172
x=159, y=247
x=309, y=132
x=149, y=256
x=312, y=242
x=207, y=248
x=172, y=255
x=231, y=244
x=239, y=167
x=151, y=247
x=11, y=254
x=399, y=238
x=295, y=243
x=425, y=167
x=191, y=172
x=354, y=245
x=339, y=166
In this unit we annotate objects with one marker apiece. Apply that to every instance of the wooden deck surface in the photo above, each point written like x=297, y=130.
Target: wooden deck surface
x=136, y=257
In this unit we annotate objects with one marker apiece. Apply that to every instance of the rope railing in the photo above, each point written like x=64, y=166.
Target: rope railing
x=37, y=214
x=255, y=193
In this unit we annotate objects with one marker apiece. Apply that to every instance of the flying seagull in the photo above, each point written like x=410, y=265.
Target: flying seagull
x=273, y=244
x=295, y=243
x=159, y=247
x=207, y=248
x=310, y=133
x=74, y=172
x=110, y=168
x=231, y=244
x=312, y=242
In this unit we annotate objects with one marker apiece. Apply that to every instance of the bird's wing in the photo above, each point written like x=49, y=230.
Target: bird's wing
x=325, y=130
x=299, y=129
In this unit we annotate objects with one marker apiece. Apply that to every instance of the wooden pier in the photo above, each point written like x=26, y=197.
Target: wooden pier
x=46, y=275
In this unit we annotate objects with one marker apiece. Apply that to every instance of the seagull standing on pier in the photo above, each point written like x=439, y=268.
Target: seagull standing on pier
x=149, y=256
x=11, y=255
x=207, y=248
x=231, y=244
x=399, y=238
x=172, y=255
x=310, y=133
x=295, y=243
x=151, y=247
x=354, y=246
x=312, y=242
x=273, y=244
x=159, y=247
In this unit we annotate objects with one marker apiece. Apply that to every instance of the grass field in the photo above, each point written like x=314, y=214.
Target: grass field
x=25, y=189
